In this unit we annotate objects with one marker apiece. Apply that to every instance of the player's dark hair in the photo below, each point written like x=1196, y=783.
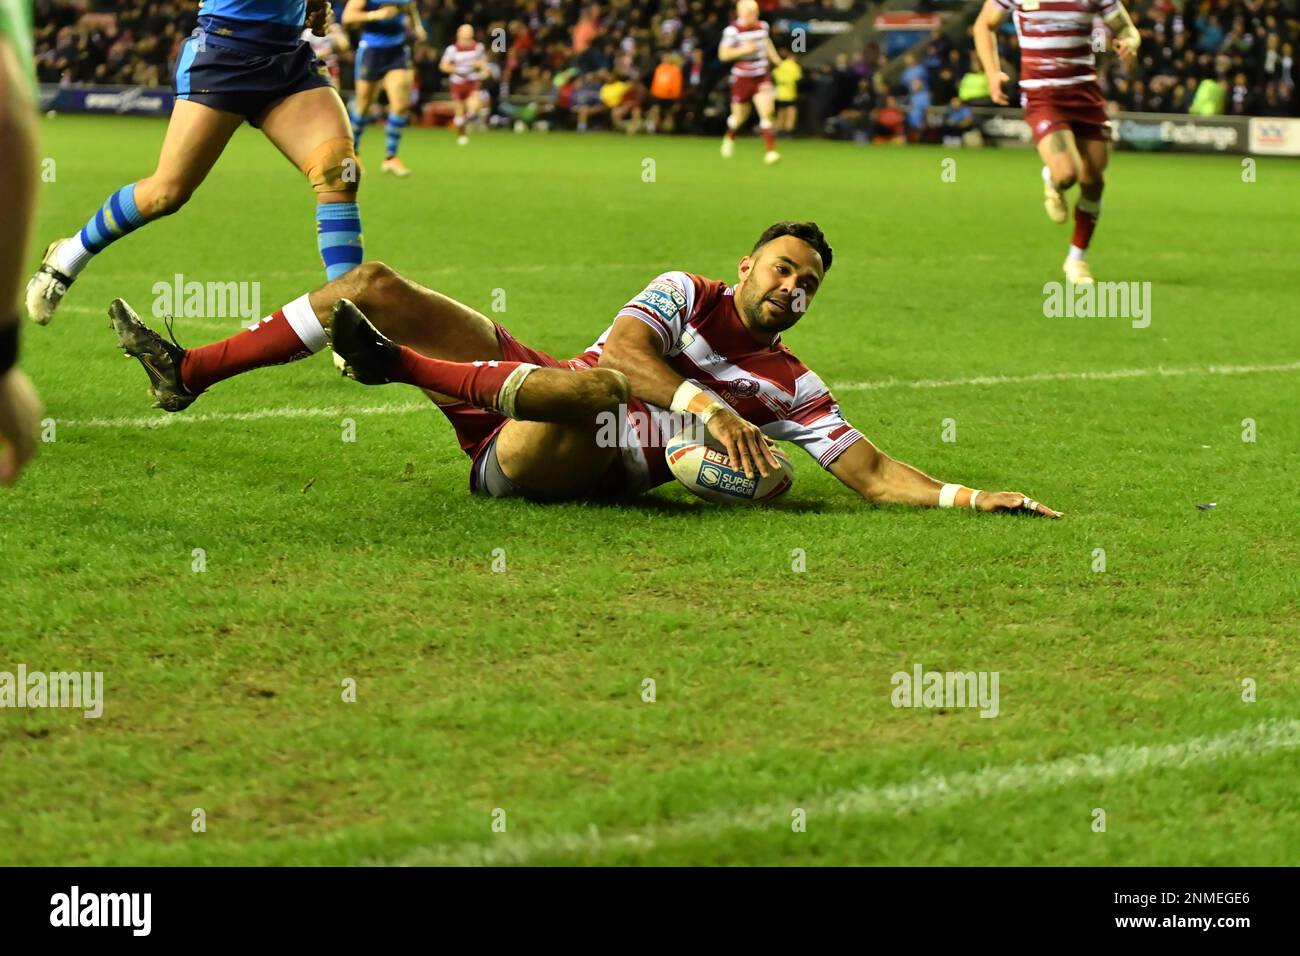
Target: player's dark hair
x=809, y=232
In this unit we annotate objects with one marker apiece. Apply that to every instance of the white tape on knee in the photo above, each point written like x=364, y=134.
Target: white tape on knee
x=510, y=388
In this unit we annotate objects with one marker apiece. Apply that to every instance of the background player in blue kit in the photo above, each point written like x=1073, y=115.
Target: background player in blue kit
x=245, y=61
x=384, y=60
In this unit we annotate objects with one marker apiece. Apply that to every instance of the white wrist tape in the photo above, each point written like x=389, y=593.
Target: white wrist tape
x=950, y=495
x=684, y=395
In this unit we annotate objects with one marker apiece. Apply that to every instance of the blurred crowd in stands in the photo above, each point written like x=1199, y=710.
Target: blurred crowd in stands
x=653, y=65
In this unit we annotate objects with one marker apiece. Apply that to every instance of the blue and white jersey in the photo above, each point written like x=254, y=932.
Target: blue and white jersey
x=288, y=12
x=390, y=32
x=253, y=26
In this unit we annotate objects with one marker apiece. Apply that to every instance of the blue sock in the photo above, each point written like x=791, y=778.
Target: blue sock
x=115, y=219
x=358, y=127
x=395, y=126
x=338, y=233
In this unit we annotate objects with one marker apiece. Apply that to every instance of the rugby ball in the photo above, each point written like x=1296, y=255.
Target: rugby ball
x=704, y=468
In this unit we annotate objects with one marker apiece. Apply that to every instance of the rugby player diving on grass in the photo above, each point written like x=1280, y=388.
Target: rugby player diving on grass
x=530, y=423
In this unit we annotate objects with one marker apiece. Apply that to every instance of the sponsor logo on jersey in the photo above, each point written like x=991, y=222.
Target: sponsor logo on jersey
x=660, y=302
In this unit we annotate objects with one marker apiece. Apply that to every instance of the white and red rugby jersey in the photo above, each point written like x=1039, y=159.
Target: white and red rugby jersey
x=465, y=61
x=1056, y=40
x=704, y=340
x=751, y=64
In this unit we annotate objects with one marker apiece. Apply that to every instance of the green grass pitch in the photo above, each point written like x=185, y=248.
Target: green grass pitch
x=521, y=690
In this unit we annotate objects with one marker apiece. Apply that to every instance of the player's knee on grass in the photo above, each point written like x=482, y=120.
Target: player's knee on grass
x=332, y=166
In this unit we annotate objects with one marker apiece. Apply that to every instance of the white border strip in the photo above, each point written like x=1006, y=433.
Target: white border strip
x=406, y=408
x=916, y=794
x=1105, y=375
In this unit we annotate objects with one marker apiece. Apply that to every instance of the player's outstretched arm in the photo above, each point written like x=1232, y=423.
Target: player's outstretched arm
x=986, y=47
x=417, y=25
x=20, y=409
x=1127, y=38
x=633, y=348
x=884, y=480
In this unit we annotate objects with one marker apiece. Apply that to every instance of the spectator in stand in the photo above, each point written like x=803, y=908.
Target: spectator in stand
x=1208, y=100
x=958, y=120
x=944, y=85
x=974, y=86
x=917, y=103
x=587, y=102
x=786, y=76
x=1241, y=100
x=911, y=71
x=623, y=100
x=855, y=121
x=586, y=30
x=888, y=124
x=1272, y=104
x=665, y=93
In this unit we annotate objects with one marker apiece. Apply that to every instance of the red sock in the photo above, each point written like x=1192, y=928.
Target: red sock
x=1086, y=213
x=769, y=139
x=478, y=383
x=731, y=133
x=290, y=333
x=272, y=341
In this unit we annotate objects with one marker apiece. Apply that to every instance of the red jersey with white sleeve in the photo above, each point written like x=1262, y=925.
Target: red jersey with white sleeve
x=466, y=61
x=703, y=338
x=752, y=65
x=1055, y=36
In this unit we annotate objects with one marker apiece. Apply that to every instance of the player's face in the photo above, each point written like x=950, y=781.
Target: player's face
x=777, y=284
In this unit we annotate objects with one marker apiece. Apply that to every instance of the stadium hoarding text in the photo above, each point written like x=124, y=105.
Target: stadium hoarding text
x=1163, y=131
x=1275, y=136
x=123, y=100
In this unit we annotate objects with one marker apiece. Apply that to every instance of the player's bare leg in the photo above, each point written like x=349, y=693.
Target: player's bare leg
x=1061, y=166
x=397, y=84
x=461, y=121
x=362, y=100
x=195, y=138
x=1095, y=156
x=765, y=103
x=735, y=120
x=311, y=129
x=431, y=323
x=549, y=449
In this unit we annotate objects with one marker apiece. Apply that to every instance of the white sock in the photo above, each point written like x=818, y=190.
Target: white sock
x=1076, y=254
x=302, y=319
x=1047, y=178
x=70, y=256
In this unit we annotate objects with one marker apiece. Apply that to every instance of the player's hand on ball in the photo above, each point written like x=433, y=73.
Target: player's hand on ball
x=1012, y=501
x=20, y=415
x=996, y=93
x=746, y=445
x=319, y=15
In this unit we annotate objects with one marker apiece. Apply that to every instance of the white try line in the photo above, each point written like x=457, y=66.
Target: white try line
x=1104, y=375
x=162, y=420
x=918, y=794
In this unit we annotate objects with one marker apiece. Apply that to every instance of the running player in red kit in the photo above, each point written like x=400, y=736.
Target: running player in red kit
x=747, y=46
x=532, y=425
x=1064, y=107
x=464, y=62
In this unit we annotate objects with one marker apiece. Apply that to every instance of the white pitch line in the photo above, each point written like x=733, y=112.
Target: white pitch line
x=164, y=420
x=1098, y=376
x=894, y=799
